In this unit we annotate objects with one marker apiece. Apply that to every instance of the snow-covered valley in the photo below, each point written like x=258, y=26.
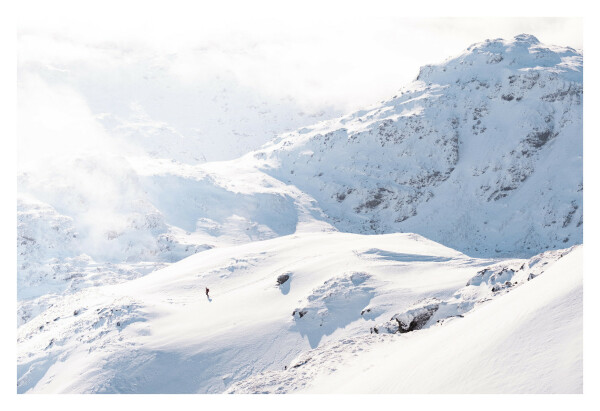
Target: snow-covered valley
x=428, y=243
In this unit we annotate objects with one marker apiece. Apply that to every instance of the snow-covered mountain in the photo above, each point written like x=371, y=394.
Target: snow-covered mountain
x=482, y=154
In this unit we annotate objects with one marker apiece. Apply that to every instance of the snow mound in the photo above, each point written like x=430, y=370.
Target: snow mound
x=336, y=303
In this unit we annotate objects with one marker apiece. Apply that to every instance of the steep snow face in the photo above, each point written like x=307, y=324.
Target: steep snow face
x=482, y=152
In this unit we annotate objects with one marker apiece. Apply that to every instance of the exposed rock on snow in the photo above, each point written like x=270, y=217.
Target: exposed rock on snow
x=282, y=278
x=487, y=284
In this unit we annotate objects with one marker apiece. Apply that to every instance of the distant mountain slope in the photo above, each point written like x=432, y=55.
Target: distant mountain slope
x=482, y=153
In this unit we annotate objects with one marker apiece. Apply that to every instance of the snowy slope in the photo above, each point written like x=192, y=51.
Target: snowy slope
x=167, y=323
x=160, y=333
x=529, y=341
x=482, y=153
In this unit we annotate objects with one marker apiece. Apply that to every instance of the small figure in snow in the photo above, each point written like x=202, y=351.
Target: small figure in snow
x=207, y=290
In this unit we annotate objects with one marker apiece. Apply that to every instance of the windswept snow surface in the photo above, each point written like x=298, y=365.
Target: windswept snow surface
x=160, y=333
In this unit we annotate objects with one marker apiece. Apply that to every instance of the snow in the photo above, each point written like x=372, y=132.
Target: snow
x=125, y=337
x=526, y=341
x=431, y=243
x=246, y=325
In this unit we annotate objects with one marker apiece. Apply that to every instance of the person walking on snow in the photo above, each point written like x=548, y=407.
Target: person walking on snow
x=207, y=290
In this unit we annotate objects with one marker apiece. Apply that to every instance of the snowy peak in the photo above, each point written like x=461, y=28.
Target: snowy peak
x=490, y=58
